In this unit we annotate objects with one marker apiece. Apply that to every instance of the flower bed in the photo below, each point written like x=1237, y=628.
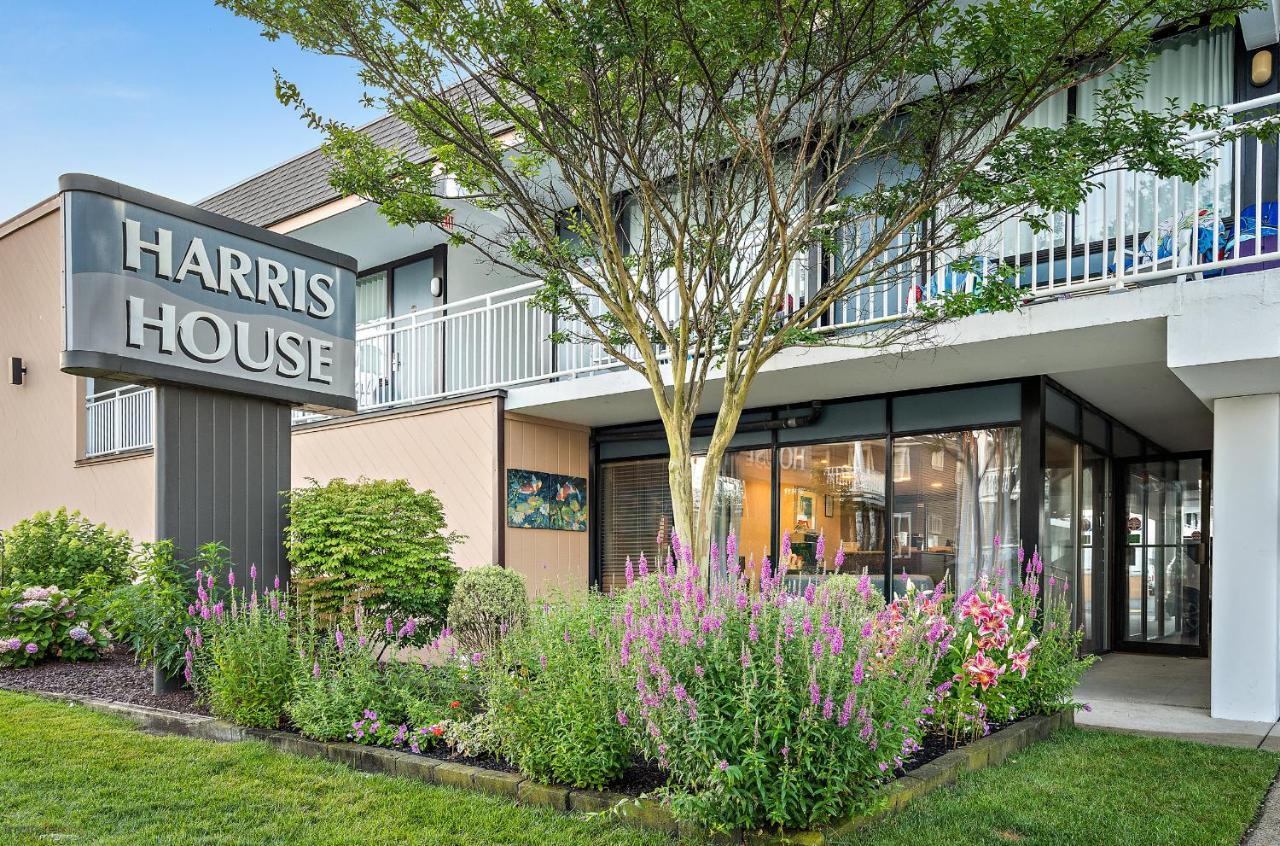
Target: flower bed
x=890, y=797
x=732, y=704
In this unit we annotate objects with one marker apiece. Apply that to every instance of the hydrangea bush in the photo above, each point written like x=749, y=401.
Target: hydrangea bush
x=48, y=622
x=768, y=709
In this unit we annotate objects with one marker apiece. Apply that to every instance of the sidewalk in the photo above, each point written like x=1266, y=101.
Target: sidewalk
x=1163, y=697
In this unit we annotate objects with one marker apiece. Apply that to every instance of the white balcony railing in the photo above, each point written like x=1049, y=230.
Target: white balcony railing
x=118, y=420
x=1133, y=229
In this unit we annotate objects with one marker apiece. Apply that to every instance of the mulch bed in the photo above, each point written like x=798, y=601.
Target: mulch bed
x=116, y=677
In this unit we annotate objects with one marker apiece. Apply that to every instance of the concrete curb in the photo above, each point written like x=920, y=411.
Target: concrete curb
x=648, y=813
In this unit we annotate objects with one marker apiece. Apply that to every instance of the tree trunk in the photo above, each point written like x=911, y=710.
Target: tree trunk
x=692, y=516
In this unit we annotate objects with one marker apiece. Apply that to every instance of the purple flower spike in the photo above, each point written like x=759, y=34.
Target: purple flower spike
x=253, y=572
x=231, y=578
x=820, y=548
x=275, y=583
x=839, y=560
x=786, y=547
x=339, y=639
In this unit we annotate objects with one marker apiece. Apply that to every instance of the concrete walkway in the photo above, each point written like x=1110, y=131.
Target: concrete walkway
x=1164, y=697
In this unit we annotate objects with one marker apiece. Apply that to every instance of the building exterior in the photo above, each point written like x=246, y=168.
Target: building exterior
x=1125, y=422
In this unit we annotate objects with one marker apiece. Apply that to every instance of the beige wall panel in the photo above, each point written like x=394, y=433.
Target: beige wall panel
x=39, y=419
x=550, y=560
x=449, y=450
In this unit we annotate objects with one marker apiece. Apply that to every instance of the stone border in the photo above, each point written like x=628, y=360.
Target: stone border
x=648, y=813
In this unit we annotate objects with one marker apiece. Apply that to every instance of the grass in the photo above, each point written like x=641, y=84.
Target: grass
x=74, y=776
x=1088, y=788
x=77, y=777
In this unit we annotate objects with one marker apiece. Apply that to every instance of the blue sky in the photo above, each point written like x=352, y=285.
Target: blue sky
x=172, y=96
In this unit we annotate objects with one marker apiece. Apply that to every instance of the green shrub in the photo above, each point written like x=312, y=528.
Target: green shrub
x=48, y=622
x=62, y=548
x=339, y=678
x=241, y=658
x=148, y=615
x=553, y=696
x=487, y=603
x=378, y=543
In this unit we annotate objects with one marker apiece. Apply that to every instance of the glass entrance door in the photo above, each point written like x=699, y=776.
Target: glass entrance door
x=1164, y=534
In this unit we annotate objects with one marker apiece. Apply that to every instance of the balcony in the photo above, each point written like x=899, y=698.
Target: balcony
x=1133, y=230
x=118, y=421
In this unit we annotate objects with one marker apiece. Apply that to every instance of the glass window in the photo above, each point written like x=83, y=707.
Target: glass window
x=960, y=493
x=835, y=491
x=1058, y=532
x=743, y=504
x=371, y=298
x=635, y=504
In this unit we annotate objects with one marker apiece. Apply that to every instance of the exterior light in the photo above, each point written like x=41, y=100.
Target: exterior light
x=1260, y=68
x=17, y=372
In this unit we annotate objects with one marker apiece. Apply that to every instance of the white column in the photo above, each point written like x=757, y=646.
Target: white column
x=1245, y=638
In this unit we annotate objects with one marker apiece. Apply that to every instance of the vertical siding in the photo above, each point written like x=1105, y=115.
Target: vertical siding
x=548, y=559
x=449, y=450
x=40, y=420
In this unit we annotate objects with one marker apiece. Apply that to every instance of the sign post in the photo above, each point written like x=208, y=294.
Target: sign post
x=235, y=325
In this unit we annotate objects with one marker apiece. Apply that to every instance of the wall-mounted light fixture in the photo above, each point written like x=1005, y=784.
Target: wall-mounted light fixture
x=17, y=372
x=1260, y=68
x=437, y=286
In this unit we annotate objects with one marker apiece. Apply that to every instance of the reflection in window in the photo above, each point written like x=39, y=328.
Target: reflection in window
x=835, y=491
x=945, y=518
x=743, y=504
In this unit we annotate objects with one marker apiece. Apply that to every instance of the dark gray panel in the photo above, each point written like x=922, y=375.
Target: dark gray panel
x=221, y=462
x=841, y=420
x=1061, y=411
x=983, y=405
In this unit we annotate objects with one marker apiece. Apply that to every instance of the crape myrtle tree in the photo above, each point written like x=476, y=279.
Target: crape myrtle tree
x=665, y=166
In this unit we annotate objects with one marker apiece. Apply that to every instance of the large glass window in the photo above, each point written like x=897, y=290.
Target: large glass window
x=953, y=494
x=635, y=504
x=835, y=491
x=743, y=504
x=1058, y=533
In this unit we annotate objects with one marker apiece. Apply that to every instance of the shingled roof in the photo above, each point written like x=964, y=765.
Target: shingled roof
x=302, y=183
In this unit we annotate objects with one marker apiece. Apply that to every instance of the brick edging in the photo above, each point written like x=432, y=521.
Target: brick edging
x=648, y=813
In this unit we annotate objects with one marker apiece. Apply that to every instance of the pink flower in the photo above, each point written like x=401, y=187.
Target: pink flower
x=982, y=670
x=622, y=718
x=253, y=572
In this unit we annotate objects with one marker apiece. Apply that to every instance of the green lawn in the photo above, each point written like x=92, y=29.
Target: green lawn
x=1088, y=788
x=73, y=776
